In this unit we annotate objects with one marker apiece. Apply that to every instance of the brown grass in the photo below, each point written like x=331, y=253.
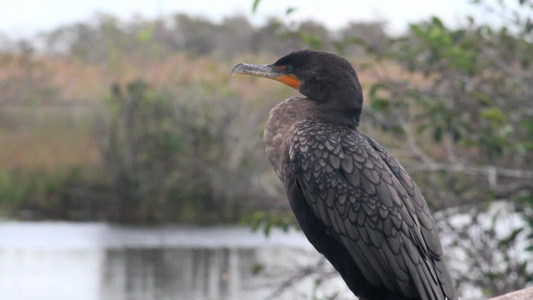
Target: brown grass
x=35, y=149
x=51, y=140
x=45, y=141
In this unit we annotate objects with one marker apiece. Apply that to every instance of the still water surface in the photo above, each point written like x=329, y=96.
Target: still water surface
x=93, y=261
x=97, y=261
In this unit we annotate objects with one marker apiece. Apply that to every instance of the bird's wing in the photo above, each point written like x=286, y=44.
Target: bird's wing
x=369, y=203
x=428, y=229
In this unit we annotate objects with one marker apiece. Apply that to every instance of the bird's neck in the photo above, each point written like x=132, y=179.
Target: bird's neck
x=281, y=118
x=337, y=98
x=338, y=113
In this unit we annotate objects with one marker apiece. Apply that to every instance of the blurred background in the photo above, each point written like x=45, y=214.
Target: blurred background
x=132, y=164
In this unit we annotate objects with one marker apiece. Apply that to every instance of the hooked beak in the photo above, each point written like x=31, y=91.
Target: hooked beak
x=277, y=73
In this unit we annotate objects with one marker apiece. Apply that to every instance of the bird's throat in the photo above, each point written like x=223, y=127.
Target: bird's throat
x=280, y=120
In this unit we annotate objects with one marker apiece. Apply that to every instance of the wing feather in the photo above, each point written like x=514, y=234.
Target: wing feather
x=366, y=201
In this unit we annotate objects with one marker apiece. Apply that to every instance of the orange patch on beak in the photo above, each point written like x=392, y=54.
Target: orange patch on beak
x=289, y=80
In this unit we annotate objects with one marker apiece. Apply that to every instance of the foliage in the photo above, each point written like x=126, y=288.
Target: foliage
x=210, y=135
x=267, y=220
x=466, y=126
x=171, y=155
x=24, y=77
x=487, y=248
x=40, y=194
x=106, y=40
x=472, y=104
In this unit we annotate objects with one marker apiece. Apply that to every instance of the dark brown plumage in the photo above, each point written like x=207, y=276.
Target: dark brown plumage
x=352, y=199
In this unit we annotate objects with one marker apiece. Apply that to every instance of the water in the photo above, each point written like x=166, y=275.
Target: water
x=93, y=261
x=97, y=261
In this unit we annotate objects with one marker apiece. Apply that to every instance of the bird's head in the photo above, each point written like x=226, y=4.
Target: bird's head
x=320, y=76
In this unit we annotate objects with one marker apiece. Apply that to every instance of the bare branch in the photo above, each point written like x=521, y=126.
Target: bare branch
x=473, y=170
x=299, y=276
x=411, y=141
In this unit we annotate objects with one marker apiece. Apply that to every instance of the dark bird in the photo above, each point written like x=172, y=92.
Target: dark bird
x=352, y=199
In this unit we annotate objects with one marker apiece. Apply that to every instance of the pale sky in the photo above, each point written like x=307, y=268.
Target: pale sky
x=26, y=17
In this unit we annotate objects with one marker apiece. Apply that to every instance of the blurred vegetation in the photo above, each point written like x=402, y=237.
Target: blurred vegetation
x=459, y=118
x=138, y=121
x=174, y=154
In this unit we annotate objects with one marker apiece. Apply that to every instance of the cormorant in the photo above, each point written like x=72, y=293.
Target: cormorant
x=353, y=200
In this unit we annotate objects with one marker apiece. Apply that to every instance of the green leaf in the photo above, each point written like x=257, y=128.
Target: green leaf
x=494, y=115
x=255, y=6
x=456, y=35
x=505, y=131
x=379, y=104
x=483, y=98
x=318, y=281
x=456, y=134
x=510, y=239
x=290, y=10
x=492, y=275
x=257, y=268
x=145, y=35
x=417, y=30
x=437, y=22
x=437, y=134
x=311, y=40
x=268, y=227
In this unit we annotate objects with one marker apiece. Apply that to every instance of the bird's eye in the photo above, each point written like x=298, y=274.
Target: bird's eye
x=290, y=68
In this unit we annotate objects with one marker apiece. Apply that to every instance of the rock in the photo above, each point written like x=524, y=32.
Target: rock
x=525, y=294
